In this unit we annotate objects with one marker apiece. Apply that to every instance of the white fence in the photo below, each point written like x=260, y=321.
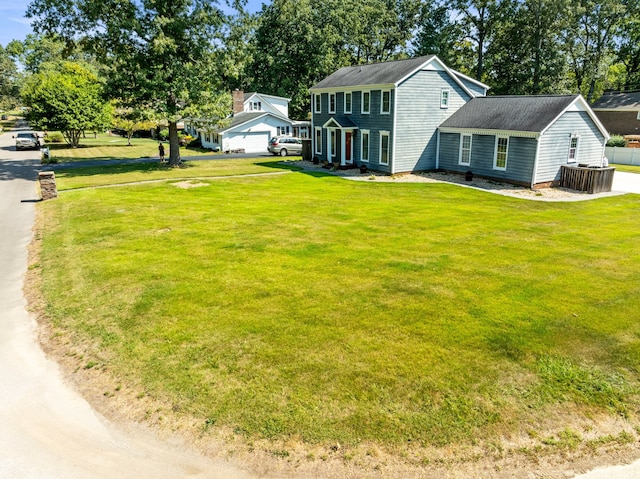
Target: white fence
x=623, y=156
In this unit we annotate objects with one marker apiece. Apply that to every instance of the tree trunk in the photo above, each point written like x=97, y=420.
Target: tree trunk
x=174, y=144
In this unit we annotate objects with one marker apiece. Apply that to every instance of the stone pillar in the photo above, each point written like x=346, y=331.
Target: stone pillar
x=48, y=188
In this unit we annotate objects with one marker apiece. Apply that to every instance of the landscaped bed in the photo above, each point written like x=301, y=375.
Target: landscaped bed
x=304, y=313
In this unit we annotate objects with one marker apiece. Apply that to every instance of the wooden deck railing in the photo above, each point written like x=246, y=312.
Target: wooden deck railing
x=591, y=180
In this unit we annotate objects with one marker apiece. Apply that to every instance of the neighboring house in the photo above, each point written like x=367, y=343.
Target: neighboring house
x=417, y=115
x=386, y=115
x=256, y=119
x=522, y=139
x=619, y=112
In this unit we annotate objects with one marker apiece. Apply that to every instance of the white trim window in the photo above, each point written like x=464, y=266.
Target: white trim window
x=348, y=100
x=318, y=140
x=366, y=102
x=501, y=153
x=317, y=103
x=384, y=148
x=365, y=143
x=332, y=102
x=444, y=98
x=465, y=150
x=333, y=143
x=385, y=102
x=573, y=149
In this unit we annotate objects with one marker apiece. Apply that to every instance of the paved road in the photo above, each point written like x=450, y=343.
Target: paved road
x=47, y=431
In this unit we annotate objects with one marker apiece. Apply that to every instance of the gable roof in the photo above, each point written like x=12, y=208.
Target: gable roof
x=250, y=94
x=511, y=113
x=618, y=101
x=241, y=118
x=387, y=73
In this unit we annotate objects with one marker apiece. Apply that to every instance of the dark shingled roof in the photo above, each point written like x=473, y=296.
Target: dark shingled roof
x=373, y=74
x=243, y=117
x=622, y=101
x=510, y=113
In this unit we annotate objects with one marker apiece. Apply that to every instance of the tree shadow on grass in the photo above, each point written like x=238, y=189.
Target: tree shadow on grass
x=280, y=165
x=146, y=167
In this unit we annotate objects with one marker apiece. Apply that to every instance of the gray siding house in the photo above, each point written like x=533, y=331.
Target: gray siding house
x=418, y=114
x=521, y=139
x=386, y=115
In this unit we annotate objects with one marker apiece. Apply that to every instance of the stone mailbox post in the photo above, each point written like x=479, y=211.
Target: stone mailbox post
x=48, y=188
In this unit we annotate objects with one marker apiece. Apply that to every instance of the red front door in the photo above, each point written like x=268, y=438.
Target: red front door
x=348, y=146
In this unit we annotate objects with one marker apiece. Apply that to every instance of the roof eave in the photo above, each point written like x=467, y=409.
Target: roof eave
x=490, y=131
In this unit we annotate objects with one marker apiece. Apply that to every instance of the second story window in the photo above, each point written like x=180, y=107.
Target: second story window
x=385, y=104
x=255, y=106
x=317, y=103
x=366, y=102
x=347, y=102
x=332, y=102
x=444, y=98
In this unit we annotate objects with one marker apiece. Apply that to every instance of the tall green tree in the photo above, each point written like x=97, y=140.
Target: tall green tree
x=628, y=48
x=38, y=50
x=157, y=53
x=589, y=41
x=9, y=80
x=526, y=54
x=439, y=34
x=479, y=19
x=66, y=97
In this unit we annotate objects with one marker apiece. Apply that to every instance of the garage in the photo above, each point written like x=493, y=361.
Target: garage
x=250, y=142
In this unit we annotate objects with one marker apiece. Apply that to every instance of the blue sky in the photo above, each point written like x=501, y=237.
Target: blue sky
x=14, y=26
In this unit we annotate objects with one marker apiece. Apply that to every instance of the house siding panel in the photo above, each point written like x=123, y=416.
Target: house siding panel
x=554, y=145
x=419, y=115
x=520, y=158
x=374, y=122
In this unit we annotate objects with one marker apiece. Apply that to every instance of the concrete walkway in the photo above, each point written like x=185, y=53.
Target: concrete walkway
x=46, y=429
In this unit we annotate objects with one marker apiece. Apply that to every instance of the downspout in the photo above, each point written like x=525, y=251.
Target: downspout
x=393, y=129
x=438, y=150
x=312, y=133
x=535, y=163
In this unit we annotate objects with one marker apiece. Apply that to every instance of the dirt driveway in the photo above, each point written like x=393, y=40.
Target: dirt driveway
x=47, y=430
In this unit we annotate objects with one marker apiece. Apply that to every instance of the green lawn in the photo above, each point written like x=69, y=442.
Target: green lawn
x=108, y=147
x=311, y=307
x=627, y=168
x=73, y=178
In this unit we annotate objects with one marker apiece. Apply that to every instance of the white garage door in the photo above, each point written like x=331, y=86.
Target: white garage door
x=250, y=142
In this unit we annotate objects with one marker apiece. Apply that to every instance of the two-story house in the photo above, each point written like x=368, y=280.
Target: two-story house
x=386, y=115
x=255, y=120
x=418, y=115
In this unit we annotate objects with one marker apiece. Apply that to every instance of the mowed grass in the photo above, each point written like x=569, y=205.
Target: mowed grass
x=112, y=147
x=626, y=168
x=85, y=177
x=311, y=307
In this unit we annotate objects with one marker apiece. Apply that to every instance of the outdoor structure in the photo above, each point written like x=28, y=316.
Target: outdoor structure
x=256, y=119
x=522, y=139
x=386, y=115
x=418, y=114
x=619, y=112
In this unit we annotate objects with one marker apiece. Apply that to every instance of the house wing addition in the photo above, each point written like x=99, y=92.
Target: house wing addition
x=510, y=113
